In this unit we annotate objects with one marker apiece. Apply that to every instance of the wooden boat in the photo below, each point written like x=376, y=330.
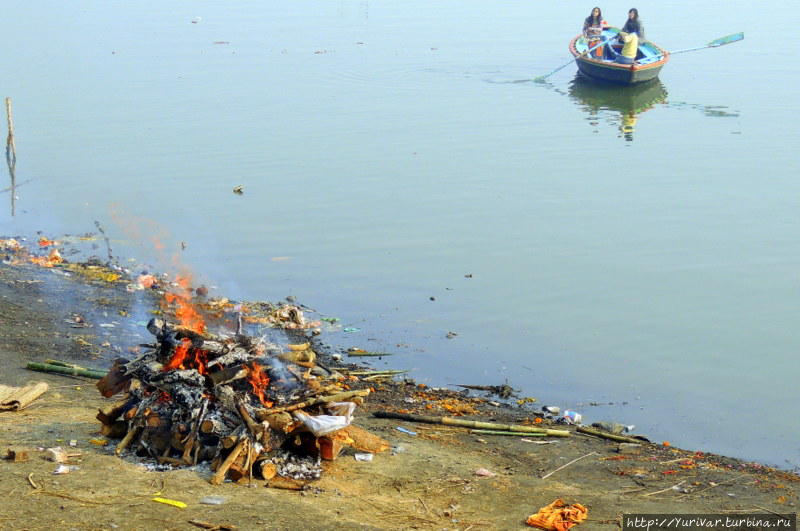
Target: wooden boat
x=649, y=60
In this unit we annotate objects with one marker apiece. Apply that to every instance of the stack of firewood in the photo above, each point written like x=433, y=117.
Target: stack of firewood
x=247, y=406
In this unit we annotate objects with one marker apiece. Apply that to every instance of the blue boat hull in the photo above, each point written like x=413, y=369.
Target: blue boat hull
x=650, y=59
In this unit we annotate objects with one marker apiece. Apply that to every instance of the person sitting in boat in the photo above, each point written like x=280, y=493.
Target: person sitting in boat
x=630, y=46
x=633, y=24
x=593, y=29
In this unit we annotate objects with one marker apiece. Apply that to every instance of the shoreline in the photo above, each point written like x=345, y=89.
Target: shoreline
x=36, y=307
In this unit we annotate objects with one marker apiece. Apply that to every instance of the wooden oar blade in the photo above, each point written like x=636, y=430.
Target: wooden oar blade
x=727, y=39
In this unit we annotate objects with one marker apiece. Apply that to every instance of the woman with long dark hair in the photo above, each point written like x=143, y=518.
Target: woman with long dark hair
x=633, y=24
x=593, y=29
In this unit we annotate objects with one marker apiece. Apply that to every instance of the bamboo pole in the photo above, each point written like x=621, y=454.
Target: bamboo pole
x=11, y=147
x=450, y=421
x=69, y=371
x=11, y=156
x=512, y=433
x=262, y=414
x=374, y=373
x=606, y=435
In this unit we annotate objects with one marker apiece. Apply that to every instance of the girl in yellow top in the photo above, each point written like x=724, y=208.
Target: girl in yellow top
x=629, y=48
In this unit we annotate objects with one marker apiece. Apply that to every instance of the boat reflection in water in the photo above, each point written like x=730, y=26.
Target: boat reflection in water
x=616, y=104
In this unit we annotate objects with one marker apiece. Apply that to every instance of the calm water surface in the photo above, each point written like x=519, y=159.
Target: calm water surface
x=638, y=247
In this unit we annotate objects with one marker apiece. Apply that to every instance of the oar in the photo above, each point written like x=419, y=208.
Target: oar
x=587, y=52
x=713, y=44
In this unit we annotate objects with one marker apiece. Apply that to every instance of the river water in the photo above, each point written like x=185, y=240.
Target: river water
x=402, y=173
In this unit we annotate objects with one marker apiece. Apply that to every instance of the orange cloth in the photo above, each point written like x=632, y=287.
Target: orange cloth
x=558, y=516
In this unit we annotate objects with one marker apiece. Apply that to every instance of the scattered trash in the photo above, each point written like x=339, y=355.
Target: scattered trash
x=351, y=329
x=73, y=442
x=16, y=398
x=330, y=319
x=363, y=457
x=572, y=417
x=56, y=454
x=451, y=335
x=65, y=469
x=98, y=442
x=239, y=190
x=484, y=473
x=196, y=20
x=406, y=431
x=167, y=501
x=552, y=410
x=212, y=500
x=524, y=439
x=558, y=516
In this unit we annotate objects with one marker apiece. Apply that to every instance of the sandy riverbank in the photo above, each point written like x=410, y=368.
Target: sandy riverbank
x=428, y=482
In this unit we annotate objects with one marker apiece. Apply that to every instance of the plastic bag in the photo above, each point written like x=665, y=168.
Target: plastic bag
x=323, y=424
x=345, y=409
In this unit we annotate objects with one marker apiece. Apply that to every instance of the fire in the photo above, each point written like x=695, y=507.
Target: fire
x=200, y=361
x=186, y=357
x=259, y=380
x=185, y=311
x=50, y=260
x=179, y=356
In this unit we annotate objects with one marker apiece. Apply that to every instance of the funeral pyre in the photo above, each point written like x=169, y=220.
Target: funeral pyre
x=253, y=409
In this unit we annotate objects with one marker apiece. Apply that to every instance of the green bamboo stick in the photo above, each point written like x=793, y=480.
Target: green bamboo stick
x=68, y=371
x=64, y=364
x=514, y=433
x=374, y=373
x=606, y=435
x=476, y=424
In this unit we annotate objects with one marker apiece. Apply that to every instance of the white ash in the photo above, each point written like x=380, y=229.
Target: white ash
x=297, y=467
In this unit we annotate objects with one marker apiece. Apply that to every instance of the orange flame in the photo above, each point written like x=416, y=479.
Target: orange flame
x=185, y=311
x=259, y=380
x=179, y=356
x=201, y=360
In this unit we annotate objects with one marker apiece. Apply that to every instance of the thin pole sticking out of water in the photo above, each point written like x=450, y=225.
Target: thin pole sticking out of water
x=11, y=155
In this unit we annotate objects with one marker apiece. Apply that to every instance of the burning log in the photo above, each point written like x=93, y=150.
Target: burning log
x=197, y=396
